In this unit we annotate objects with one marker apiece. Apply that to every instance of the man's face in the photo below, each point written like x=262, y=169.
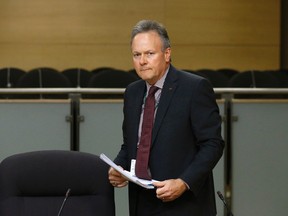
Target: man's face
x=149, y=59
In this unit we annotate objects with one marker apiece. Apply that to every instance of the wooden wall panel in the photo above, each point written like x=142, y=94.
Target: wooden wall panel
x=61, y=56
x=237, y=34
x=241, y=58
x=86, y=33
x=224, y=22
x=73, y=21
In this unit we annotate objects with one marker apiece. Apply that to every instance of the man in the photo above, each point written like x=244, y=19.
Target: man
x=186, y=138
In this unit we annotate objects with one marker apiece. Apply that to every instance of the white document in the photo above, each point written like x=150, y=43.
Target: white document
x=142, y=182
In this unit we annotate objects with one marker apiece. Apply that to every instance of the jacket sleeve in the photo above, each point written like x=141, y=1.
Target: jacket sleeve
x=206, y=125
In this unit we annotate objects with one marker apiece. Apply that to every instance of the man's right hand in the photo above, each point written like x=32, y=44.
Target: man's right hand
x=116, y=179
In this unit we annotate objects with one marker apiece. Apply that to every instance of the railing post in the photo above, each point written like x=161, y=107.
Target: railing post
x=228, y=149
x=75, y=120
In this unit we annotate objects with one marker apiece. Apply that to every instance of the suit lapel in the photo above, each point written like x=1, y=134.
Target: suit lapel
x=138, y=99
x=138, y=95
x=168, y=90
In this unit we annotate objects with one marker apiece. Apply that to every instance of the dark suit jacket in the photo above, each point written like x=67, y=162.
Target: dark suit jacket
x=186, y=140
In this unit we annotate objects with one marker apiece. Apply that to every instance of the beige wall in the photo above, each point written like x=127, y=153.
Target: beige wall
x=240, y=34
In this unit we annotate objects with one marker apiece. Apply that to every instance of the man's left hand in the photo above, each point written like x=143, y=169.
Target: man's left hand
x=170, y=190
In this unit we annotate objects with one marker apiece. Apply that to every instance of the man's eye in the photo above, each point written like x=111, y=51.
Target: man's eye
x=136, y=55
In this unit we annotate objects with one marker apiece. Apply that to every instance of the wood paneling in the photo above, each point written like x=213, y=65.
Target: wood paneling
x=87, y=33
x=63, y=56
x=215, y=57
x=73, y=21
x=224, y=22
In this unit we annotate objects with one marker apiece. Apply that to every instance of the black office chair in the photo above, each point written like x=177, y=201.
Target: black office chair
x=35, y=184
x=281, y=76
x=43, y=78
x=79, y=77
x=229, y=73
x=217, y=79
x=100, y=69
x=254, y=79
x=110, y=78
x=134, y=73
x=9, y=77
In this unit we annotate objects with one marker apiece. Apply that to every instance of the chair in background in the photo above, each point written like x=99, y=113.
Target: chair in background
x=218, y=80
x=282, y=77
x=110, y=78
x=35, y=183
x=134, y=73
x=9, y=77
x=254, y=79
x=99, y=69
x=79, y=77
x=229, y=73
x=43, y=78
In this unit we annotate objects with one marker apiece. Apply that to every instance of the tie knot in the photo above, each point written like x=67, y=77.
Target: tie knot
x=152, y=90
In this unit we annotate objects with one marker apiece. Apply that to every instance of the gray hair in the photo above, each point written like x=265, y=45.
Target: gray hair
x=150, y=25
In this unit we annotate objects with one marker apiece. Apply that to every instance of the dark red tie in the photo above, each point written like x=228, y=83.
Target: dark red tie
x=141, y=169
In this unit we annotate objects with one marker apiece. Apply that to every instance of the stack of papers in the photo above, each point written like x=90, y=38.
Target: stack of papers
x=142, y=182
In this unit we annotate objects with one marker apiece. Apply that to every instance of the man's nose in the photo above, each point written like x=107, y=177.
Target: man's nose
x=143, y=59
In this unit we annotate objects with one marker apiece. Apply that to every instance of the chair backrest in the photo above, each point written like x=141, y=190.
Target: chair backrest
x=228, y=72
x=134, y=73
x=79, y=77
x=9, y=76
x=35, y=183
x=43, y=78
x=217, y=79
x=99, y=69
x=282, y=77
x=255, y=79
x=110, y=78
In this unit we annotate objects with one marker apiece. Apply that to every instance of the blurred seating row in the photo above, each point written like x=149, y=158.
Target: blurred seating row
x=106, y=77
x=75, y=77
x=230, y=78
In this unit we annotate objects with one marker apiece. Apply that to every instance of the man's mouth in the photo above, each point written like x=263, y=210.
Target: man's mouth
x=144, y=69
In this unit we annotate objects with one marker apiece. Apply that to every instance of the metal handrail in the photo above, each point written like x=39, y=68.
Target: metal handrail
x=61, y=90
x=251, y=90
x=121, y=90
